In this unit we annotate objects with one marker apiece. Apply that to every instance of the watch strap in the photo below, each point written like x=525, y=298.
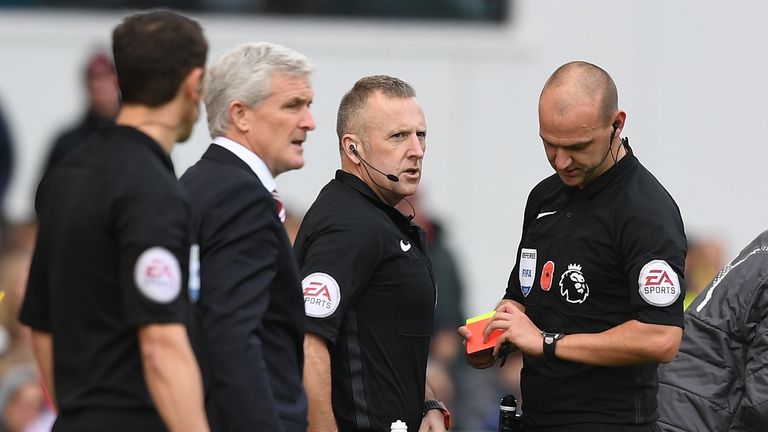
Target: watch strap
x=549, y=339
x=438, y=405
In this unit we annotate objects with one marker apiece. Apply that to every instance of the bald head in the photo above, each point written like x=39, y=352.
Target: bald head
x=578, y=83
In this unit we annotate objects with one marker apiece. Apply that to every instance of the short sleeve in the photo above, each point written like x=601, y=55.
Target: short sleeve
x=335, y=265
x=654, y=245
x=513, y=291
x=152, y=223
x=35, y=310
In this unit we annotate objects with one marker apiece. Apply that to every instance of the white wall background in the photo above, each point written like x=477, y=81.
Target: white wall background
x=691, y=75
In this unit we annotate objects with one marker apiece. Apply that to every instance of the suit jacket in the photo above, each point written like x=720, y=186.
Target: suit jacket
x=247, y=326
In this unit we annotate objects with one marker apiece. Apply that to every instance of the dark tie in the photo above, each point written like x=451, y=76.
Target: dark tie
x=279, y=206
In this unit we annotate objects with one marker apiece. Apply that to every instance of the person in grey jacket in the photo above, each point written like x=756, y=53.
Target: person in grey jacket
x=719, y=379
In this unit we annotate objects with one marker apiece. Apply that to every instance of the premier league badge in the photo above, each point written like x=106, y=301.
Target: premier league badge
x=573, y=286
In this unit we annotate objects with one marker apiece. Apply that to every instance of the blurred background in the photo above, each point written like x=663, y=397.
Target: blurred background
x=691, y=76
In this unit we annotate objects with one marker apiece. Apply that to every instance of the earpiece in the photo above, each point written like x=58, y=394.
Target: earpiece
x=353, y=148
x=615, y=126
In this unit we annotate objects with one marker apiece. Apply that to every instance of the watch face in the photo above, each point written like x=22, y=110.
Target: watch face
x=548, y=339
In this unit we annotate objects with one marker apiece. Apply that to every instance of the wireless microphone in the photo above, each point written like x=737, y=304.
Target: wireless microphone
x=390, y=177
x=508, y=418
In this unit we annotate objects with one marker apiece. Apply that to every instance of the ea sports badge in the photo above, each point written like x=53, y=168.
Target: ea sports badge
x=658, y=284
x=157, y=275
x=321, y=295
x=527, y=270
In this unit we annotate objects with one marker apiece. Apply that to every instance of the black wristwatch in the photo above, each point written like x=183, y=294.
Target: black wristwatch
x=438, y=405
x=550, y=341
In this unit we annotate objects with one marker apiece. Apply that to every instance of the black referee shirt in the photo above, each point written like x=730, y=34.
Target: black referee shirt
x=369, y=290
x=589, y=260
x=111, y=256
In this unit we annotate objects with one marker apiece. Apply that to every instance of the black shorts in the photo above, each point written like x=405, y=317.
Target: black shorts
x=109, y=420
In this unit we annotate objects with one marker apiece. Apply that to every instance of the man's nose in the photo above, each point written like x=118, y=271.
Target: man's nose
x=308, y=121
x=562, y=159
x=417, y=148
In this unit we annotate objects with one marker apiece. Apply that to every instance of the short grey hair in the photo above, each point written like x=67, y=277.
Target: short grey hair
x=355, y=100
x=245, y=74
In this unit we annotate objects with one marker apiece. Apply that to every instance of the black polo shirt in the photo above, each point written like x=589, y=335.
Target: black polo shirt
x=111, y=256
x=589, y=260
x=369, y=290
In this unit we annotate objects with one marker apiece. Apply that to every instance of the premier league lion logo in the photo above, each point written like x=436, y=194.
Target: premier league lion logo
x=573, y=287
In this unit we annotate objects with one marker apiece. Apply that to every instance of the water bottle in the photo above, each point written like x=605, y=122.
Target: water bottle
x=508, y=420
x=398, y=426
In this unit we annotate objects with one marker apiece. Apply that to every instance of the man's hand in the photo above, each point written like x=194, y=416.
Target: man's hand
x=518, y=330
x=433, y=421
x=479, y=360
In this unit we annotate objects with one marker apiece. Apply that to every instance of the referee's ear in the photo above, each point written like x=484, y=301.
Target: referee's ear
x=349, y=147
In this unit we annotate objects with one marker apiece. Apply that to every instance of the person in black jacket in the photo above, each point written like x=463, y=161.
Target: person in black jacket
x=248, y=323
x=719, y=379
x=103, y=104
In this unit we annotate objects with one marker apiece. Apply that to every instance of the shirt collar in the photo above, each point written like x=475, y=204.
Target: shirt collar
x=251, y=159
x=359, y=185
x=402, y=221
x=140, y=137
x=626, y=164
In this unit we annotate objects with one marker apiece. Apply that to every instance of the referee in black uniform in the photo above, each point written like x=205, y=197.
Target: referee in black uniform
x=106, y=295
x=369, y=292
x=595, y=298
